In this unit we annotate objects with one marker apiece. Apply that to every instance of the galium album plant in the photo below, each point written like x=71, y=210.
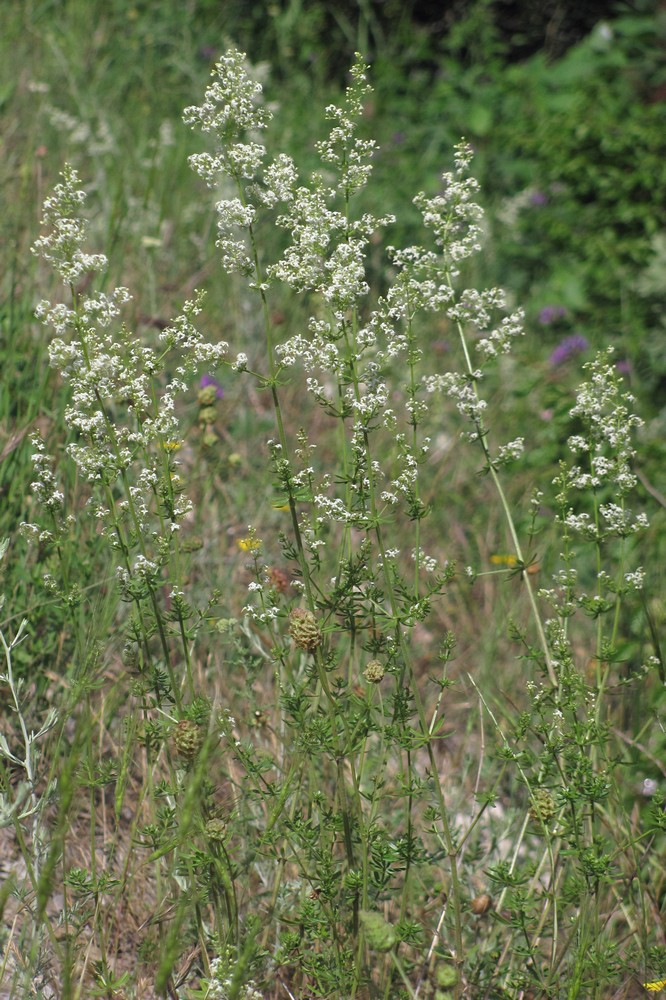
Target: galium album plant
x=342, y=863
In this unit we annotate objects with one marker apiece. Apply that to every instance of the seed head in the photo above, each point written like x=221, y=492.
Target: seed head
x=207, y=415
x=278, y=579
x=188, y=739
x=304, y=630
x=543, y=806
x=379, y=934
x=480, y=905
x=207, y=395
x=216, y=829
x=374, y=672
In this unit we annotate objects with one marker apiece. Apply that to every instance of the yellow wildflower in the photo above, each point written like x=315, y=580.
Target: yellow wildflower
x=249, y=544
x=503, y=560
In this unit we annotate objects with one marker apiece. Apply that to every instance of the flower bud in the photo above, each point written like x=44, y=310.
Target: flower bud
x=130, y=655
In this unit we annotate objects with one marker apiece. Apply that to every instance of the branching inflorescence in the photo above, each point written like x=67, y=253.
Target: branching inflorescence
x=352, y=726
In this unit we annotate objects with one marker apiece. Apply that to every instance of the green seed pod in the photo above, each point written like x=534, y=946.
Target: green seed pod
x=216, y=829
x=379, y=935
x=207, y=395
x=304, y=630
x=374, y=672
x=543, y=806
x=208, y=415
x=188, y=739
x=130, y=655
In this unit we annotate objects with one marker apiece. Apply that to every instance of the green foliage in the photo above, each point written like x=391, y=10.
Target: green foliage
x=238, y=749
x=589, y=135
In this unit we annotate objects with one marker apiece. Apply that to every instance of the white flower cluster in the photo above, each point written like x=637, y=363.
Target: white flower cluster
x=406, y=481
x=48, y=492
x=342, y=150
x=429, y=563
x=635, y=580
x=426, y=280
x=313, y=227
x=333, y=509
x=347, y=347
x=461, y=389
x=233, y=112
x=419, y=284
x=500, y=341
x=314, y=351
x=122, y=399
x=510, y=452
x=559, y=645
x=475, y=307
x=604, y=411
x=454, y=216
x=220, y=983
x=327, y=250
x=45, y=487
x=62, y=245
x=232, y=103
x=268, y=614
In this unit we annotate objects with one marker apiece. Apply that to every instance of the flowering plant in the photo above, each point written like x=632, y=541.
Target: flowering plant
x=343, y=857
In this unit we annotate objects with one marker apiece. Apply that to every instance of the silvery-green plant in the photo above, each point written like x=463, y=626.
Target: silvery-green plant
x=29, y=801
x=26, y=797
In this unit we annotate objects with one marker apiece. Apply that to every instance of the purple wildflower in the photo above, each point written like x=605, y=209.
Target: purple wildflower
x=550, y=314
x=568, y=348
x=538, y=198
x=207, y=380
x=624, y=367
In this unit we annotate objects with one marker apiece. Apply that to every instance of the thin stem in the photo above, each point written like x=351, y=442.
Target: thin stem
x=482, y=436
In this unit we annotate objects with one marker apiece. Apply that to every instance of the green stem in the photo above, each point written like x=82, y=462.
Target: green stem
x=482, y=436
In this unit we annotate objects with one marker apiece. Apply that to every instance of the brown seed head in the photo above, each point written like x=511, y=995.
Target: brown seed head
x=304, y=630
x=481, y=904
